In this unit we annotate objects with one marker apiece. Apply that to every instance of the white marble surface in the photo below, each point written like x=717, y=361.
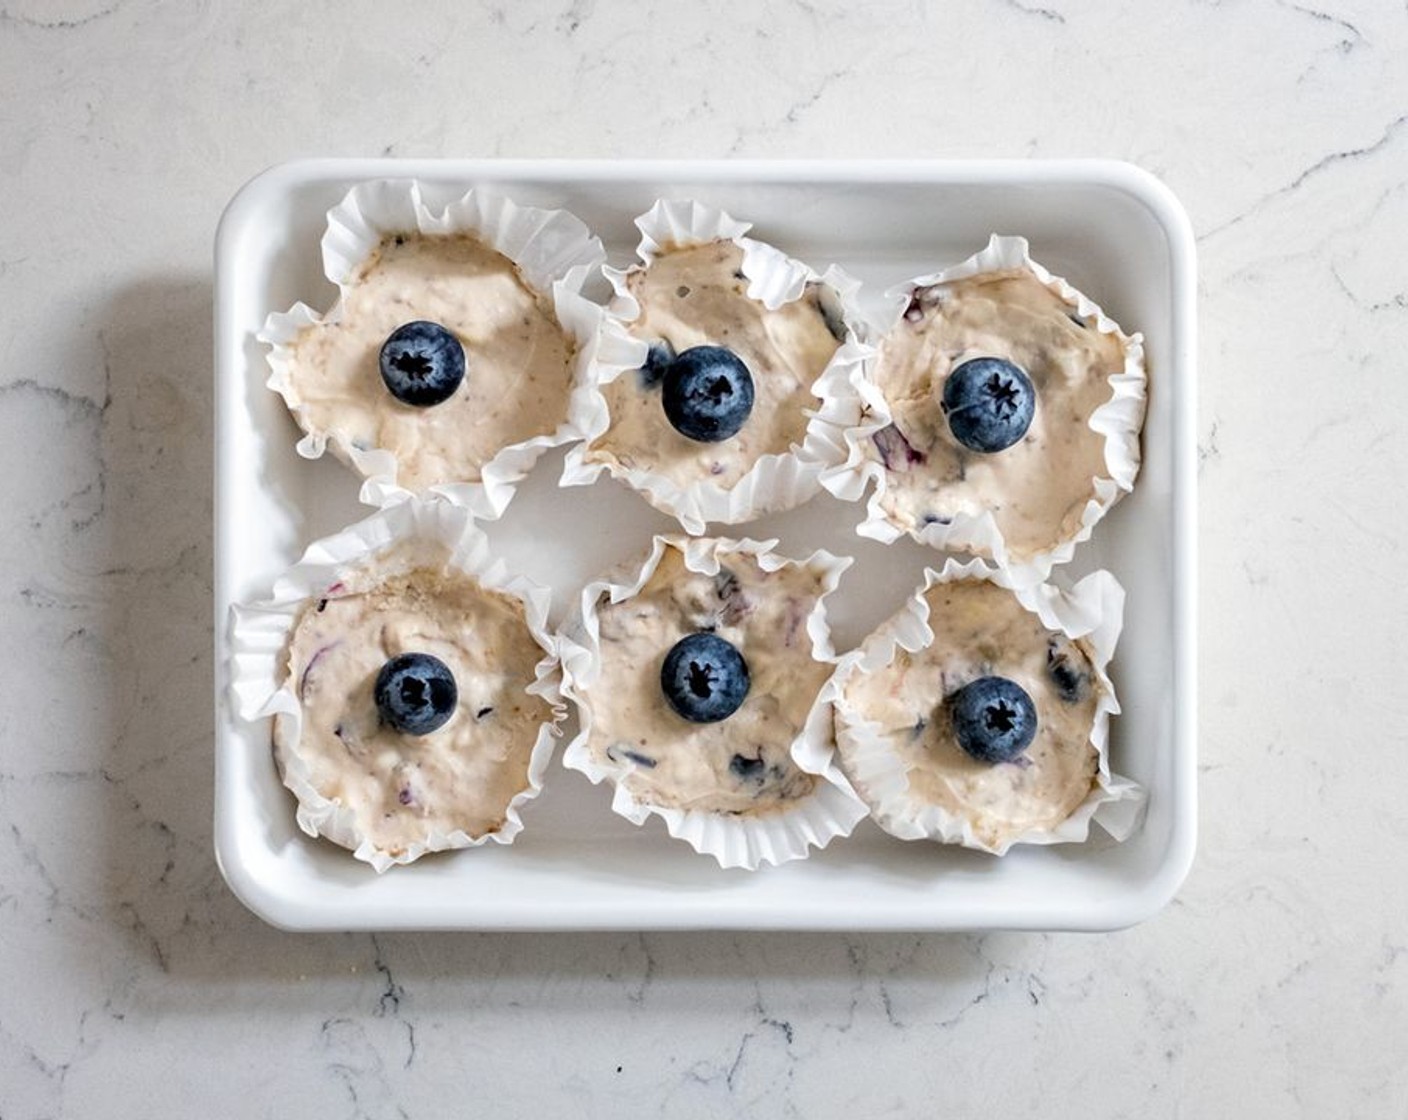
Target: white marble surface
x=136, y=985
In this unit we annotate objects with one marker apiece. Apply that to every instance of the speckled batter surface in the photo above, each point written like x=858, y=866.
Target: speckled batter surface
x=518, y=360
x=403, y=787
x=698, y=296
x=1037, y=489
x=741, y=764
x=981, y=630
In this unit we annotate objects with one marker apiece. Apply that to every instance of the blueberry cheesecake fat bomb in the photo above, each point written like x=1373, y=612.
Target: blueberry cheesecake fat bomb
x=727, y=380
x=440, y=353
x=990, y=723
x=416, y=715
x=992, y=381
x=704, y=683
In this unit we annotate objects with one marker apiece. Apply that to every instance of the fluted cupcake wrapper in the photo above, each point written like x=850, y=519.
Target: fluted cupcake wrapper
x=555, y=253
x=1093, y=611
x=1119, y=419
x=734, y=840
x=260, y=632
x=777, y=481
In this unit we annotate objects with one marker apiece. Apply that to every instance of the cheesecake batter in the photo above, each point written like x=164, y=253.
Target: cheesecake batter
x=980, y=630
x=741, y=764
x=518, y=360
x=1038, y=488
x=698, y=296
x=403, y=787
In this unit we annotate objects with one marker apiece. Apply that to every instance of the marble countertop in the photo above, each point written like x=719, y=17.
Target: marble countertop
x=136, y=985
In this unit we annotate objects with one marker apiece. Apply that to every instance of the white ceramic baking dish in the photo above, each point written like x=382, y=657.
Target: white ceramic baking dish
x=1111, y=229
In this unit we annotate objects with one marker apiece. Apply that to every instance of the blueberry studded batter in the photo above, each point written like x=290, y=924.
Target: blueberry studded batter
x=991, y=382
x=441, y=354
x=415, y=706
x=993, y=719
x=710, y=727
x=695, y=298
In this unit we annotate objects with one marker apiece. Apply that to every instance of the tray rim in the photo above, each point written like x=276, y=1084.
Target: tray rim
x=1136, y=183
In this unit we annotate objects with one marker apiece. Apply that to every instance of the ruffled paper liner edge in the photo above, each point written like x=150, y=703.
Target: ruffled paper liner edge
x=259, y=634
x=554, y=251
x=1093, y=610
x=735, y=841
x=778, y=481
x=1119, y=419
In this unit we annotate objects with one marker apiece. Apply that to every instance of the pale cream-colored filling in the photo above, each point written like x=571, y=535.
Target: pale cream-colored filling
x=1038, y=488
x=697, y=297
x=517, y=358
x=981, y=630
x=671, y=762
x=403, y=788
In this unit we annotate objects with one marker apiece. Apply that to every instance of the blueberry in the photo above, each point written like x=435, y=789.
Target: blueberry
x=708, y=393
x=896, y=452
x=422, y=363
x=989, y=403
x=704, y=678
x=616, y=752
x=1069, y=680
x=725, y=584
x=415, y=693
x=747, y=769
x=657, y=361
x=994, y=719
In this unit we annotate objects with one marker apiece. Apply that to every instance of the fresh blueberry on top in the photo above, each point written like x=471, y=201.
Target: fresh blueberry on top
x=704, y=678
x=989, y=403
x=708, y=393
x=422, y=363
x=415, y=693
x=994, y=719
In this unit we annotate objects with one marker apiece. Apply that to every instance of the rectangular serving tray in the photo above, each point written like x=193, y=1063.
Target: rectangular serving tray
x=1111, y=229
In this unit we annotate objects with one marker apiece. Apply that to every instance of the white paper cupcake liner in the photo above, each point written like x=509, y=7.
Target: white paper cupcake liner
x=259, y=635
x=733, y=840
x=1119, y=420
x=776, y=482
x=554, y=251
x=1093, y=611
